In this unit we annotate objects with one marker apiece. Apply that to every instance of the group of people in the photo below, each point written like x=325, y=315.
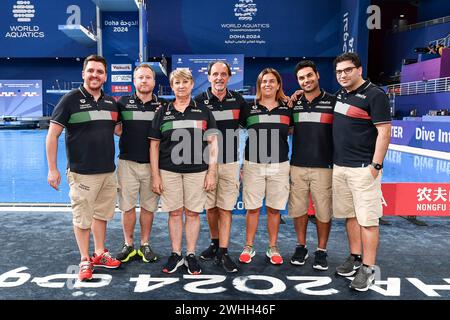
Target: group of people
x=185, y=154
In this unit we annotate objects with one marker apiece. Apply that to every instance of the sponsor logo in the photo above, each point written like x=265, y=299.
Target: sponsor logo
x=131, y=106
x=116, y=88
x=85, y=106
x=82, y=100
x=206, y=101
x=230, y=100
x=120, y=67
x=167, y=113
x=245, y=10
x=121, y=78
x=197, y=110
x=23, y=11
x=360, y=96
x=109, y=101
x=254, y=107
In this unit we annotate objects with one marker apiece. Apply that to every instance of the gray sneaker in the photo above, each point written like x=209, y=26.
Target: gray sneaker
x=364, y=278
x=349, y=267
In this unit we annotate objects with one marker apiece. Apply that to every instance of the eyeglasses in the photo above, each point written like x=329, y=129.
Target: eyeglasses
x=345, y=71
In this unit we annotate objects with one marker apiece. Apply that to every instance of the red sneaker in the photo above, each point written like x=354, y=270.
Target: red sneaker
x=86, y=269
x=105, y=260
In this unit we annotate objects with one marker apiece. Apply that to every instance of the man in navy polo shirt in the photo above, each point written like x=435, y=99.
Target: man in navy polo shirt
x=226, y=106
x=361, y=134
x=311, y=163
x=136, y=113
x=89, y=117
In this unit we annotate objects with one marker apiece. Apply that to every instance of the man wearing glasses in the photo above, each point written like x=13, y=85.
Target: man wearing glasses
x=361, y=134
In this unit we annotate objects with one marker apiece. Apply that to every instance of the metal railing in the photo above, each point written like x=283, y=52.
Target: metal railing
x=420, y=87
x=421, y=24
x=442, y=41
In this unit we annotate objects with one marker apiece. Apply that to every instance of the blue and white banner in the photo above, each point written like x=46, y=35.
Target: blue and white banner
x=421, y=134
x=21, y=98
x=262, y=28
x=120, y=32
x=354, y=31
x=29, y=28
x=198, y=64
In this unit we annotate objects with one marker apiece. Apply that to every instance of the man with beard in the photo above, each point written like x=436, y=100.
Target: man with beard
x=136, y=113
x=361, y=135
x=89, y=117
x=311, y=163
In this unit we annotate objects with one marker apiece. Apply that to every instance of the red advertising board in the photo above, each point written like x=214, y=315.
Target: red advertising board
x=416, y=199
x=413, y=199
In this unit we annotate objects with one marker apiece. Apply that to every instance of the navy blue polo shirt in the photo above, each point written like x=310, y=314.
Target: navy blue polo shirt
x=268, y=131
x=89, y=128
x=226, y=113
x=355, y=115
x=181, y=135
x=312, y=142
x=136, y=118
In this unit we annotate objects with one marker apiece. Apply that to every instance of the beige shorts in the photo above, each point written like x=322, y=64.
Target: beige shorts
x=314, y=181
x=183, y=190
x=227, y=188
x=270, y=181
x=135, y=179
x=92, y=196
x=357, y=194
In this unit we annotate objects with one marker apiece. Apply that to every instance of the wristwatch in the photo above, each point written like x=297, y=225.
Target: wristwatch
x=377, y=166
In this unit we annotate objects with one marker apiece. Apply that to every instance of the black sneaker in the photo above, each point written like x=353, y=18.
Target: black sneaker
x=349, y=267
x=300, y=256
x=192, y=264
x=173, y=263
x=210, y=253
x=126, y=253
x=147, y=254
x=320, y=260
x=226, y=263
x=364, y=278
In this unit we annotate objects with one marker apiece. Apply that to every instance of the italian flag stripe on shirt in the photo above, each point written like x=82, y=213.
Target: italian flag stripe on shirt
x=183, y=124
x=313, y=117
x=351, y=111
x=265, y=118
x=93, y=115
x=137, y=115
x=226, y=115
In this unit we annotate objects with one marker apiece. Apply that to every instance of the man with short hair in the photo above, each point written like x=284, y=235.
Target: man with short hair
x=89, y=117
x=361, y=134
x=311, y=163
x=225, y=105
x=136, y=113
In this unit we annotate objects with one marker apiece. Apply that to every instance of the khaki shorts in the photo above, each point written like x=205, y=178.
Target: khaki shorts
x=270, y=181
x=227, y=188
x=92, y=196
x=135, y=179
x=314, y=181
x=183, y=190
x=357, y=194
